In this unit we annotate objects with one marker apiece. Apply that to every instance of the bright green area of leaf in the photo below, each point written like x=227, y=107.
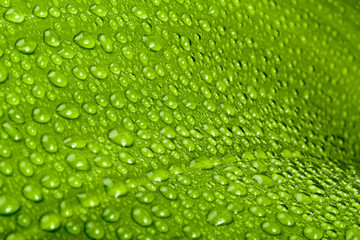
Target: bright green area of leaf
x=179, y=119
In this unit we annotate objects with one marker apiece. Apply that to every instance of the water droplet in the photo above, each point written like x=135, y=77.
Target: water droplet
x=103, y=161
x=263, y=180
x=5, y=3
x=121, y=137
x=153, y=43
x=88, y=200
x=192, y=231
x=302, y=198
x=4, y=74
x=94, y=230
x=149, y=73
x=75, y=142
x=50, y=181
x=40, y=11
x=58, y=79
x=126, y=157
x=51, y=38
x=219, y=217
x=127, y=52
x=25, y=45
x=68, y=110
x=41, y=115
x=271, y=228
x=106, y=43
x=13, y=132
x=124, y=233
x=285, y=219
x=237, y=189
x=98, y=10
x=115, y=189
x=313, y=233
x=139, y=12
x=32, y=193
x=205, y=25
x=257, y=211
x=74, y=181
x=77, y=162
x=145, y=197
x=14, y=15
x=141, y=216
x=23, y=220
x=73, y=227
x=99, y=72
x=50, y=222
x=26, y=168
x=160, y=211
x=49, y=143
x=159, y=175
x=85, y=40
x=110, y=215
x=8, y=205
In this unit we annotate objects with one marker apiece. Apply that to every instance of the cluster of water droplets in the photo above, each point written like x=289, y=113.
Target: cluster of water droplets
x=178, y=119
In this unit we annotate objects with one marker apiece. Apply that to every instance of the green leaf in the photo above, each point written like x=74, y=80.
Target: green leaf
x=179, y=119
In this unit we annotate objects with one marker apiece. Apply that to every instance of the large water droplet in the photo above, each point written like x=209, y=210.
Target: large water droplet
x=85, y=40
x=14, y=15
x=25, y=45
x=121, y=137
x=8, y=205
